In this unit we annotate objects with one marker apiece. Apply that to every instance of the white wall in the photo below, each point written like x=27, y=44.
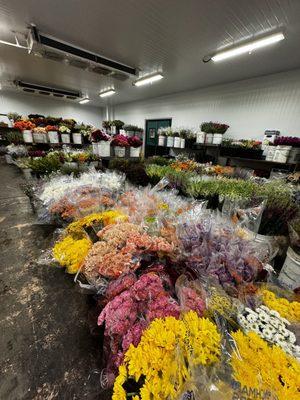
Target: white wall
x=30, y=104
x=249, y=107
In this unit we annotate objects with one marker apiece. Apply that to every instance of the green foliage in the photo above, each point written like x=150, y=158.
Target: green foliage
x=14, y=137
x=158, y=160
x=45, y=165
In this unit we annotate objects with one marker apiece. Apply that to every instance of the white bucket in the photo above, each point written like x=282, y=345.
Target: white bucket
x=290, y=274
x=104, y=148
x=27, y=173
x=53, y=137
x=177, y=142
x=209, y=138
x=95, y=148
x=27, y=136
x=217, y=138
x=39, y=137
x=294, y=156
x=182, y=143
x=170, y=141
x=77, y=138
x=113, y=130
x=65, y=138
x=161, y=140
x=200, y=137
x=135, y=151
x=282, y=153
x=271, y=152
x=93, y=164
x=8, y=159
x=120, y=151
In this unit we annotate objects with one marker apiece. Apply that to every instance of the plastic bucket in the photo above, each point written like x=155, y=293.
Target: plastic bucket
x=177, y=142
x=95, y=148
x=217, y=138
x=65, y=138
x=290, y=273
x=77, y=138
x=209, y=138
x=135, y=151
x=200, y=137
x=53, y=137
x=120, y=151
x=170, y=141
x=161, y=140
x=182, y=143
x=104, y=148
x=27, y=136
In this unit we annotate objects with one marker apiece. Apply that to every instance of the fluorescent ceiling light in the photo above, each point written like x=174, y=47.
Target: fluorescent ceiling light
x=17, y=44
x=106, y=93
x=248, y=48
x=148, y=79
x=84, y=100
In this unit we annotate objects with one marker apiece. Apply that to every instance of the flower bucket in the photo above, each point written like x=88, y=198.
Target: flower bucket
x=135, y=151
x=177, y=142
x=53, y=137
x=161, y=140
x=39, y=137
x=290, y=273
x=170, y=141
x=27, y=136
x=8, y=159
x=113, y=130
x=282, y=153
x=200, y=137
x=71, y=164
x=182, y=143
x=209, y=137
x=77, y=138
x=120, y=151
x=65, y=138
x=294, y=156
x=95, y=148
x=270, y=153
x=27, y=173
x=104, y=148
x=93, y=164
x=217, y=138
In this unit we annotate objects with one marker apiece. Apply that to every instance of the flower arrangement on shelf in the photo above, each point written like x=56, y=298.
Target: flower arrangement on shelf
x=24, y=125
x=51, y=128
x=214, y=127
x=98, y=135
x=40, y=130
x=287, y=141
x=120, y=141
x=106, y=124
x=135, y=141
x=13, y=116
x=64, y=129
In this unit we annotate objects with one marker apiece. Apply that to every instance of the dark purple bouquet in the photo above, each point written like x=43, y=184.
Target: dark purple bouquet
x=287, y=141
x=120, y=140
x=36, y=153
x=98, y=136
x=135, y=141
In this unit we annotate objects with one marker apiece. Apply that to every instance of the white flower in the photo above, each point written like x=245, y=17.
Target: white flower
x=278, y=338
x=254, y=327
x=292, y=337
x=275, y=322
x=267, y=334
x=274, y=313
x=251, y=318
x=264, y=316
x=264, y=308
x=248, y=310
x=242, y=320
x=285, y=332
x=296, y=350
x=285, y=321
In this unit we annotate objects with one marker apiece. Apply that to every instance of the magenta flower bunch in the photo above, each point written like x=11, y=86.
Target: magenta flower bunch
x=99, y=135
x=135, y=141
x=120, y=140
x=287, y=141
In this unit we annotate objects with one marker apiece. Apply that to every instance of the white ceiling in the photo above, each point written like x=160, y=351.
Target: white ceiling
x=168, y=35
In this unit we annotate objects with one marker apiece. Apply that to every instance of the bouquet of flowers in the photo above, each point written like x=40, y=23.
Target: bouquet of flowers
x=120, y=141
x=98, y=135
x=64, y=129
x=135, y=141
x=24, y=125
x=287, y=141
x=51, y=128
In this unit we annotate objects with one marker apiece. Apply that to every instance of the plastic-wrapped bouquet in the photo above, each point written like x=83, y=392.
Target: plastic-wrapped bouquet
x=16, y=150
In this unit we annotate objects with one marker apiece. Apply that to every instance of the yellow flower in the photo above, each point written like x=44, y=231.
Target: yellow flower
x=259, y=366
x=167, y=354
x=286, y=309
x=70, y=253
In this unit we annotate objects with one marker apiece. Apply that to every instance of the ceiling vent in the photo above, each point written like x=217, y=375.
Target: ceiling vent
x=48, y=91
x=48, y=47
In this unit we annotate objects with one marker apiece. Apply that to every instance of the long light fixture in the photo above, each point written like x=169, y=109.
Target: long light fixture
x=107, y=93
x=249, y=47
x=16, y=44
x=84, y=100
x=148, y=79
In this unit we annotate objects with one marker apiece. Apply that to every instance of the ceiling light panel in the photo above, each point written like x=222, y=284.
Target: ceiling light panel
x=147, y=80
x=107, y=93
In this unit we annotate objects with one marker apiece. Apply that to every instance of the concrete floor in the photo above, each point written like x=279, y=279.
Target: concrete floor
x=46, y=349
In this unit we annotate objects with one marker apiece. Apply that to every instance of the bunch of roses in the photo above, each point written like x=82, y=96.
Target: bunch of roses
x=70, y=253
x=264, y=368
x=287, y=309
x=127, y=314
x=120, y=250
x=270, y=326
x=166, y=356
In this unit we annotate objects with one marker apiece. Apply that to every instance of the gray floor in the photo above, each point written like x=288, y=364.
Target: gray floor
x=46, y=350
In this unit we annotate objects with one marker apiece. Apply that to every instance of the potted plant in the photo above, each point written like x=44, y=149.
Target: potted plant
x=120, y=143
x=184, y=134
x=161, y=136
x=177, y=140
x=65, y=134
x=218, y=132
x=206, y=128
x=26, y=128
x=101, y=143
x=106, y=125
x=52, y=134
x=39, y=135
x=23, y=164
x=135, y=144
x=93, y=160
x=117, y=125
x=13, y=117
x=130, y=129
x=170, y=137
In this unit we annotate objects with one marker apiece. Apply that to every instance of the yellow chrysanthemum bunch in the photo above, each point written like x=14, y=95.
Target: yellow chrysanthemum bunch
x=256, y=365
x=287, y=309
x=70, y=253
x=166, y=355
x=220, y=303
x=76, y=228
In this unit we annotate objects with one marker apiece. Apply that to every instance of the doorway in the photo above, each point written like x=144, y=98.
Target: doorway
x=151, y=143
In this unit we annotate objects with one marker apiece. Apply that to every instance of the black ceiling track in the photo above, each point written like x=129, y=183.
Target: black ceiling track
x=69, y=49
x=54, y=91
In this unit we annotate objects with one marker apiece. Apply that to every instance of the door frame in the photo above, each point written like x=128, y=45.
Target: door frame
x=153, y=119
